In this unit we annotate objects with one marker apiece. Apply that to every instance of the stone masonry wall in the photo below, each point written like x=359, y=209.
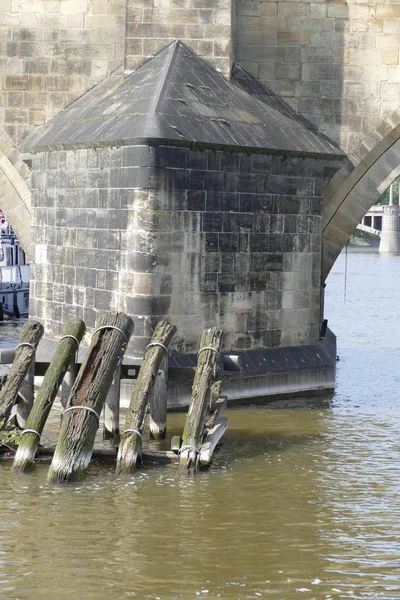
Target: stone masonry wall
x=202, y=237
x=205, y=25
x=335, y=62
x=51, y=52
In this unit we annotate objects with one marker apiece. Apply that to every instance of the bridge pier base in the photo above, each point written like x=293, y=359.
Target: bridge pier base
x=390, y=235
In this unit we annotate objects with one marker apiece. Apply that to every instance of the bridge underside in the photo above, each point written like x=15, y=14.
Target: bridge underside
x=15, y=195
x=366, y=174
x=367, y=229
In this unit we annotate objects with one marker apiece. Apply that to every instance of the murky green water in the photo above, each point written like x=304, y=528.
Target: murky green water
x=302, y=501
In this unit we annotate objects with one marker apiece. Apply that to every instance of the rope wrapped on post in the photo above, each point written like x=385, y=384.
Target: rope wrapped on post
x=208, y=348
x=132, y=431
x=84, y=408
x=112, y=327
x=153, y=344
x=188, y=448
x=26, y=344
x=31, y=431
x=72, y=337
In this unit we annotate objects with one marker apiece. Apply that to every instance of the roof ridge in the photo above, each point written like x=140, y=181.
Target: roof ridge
x=174, y=47
x=175, y=98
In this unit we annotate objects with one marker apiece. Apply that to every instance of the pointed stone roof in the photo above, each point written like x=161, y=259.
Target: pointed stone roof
x=177, y=98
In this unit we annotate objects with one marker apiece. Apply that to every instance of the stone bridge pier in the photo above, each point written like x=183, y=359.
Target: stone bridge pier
x=390, y=235
x=201, y=160
x=384, y=221
x=334, y=63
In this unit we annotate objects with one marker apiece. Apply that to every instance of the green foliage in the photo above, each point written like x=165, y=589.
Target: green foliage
x=358, y=235
x=9, y=436
x=384, y=199
x=363, y=238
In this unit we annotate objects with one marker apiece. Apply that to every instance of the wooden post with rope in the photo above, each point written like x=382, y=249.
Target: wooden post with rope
x=130, y=446
x=158, y=403
x=206, y=373
x=63, y=356
x=31, y=335
x=111, y=409
x=81, y=417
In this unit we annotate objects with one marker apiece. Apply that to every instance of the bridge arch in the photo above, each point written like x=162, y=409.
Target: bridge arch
x=365, y=175
x=15, y=195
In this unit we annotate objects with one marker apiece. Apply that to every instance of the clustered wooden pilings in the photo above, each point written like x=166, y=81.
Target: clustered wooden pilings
x=62, y=359
x=97, y=386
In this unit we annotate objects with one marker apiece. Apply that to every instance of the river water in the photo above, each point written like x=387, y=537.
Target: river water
x=302, y=501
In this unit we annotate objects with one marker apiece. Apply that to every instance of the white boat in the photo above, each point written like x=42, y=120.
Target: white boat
x=14, y=274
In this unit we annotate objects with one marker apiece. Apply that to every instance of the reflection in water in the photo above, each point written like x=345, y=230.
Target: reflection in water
x=302, y=501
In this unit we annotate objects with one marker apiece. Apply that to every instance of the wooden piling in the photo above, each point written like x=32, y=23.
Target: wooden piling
x=68, y=382
x=111, y=409
x=176, y=442
x=206, y=373
x=130, y=446
x=26, y=396
x=81, y=417
x=31, y=335
x=218, y=408
x=158, y=403
x=62, y=359
x=67, y=385
x=211, y=440
x=216, y=426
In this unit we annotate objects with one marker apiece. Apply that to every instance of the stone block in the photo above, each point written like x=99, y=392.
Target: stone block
x=387, y=41
x=388, y=11
x=99, y=6
x=5, y=6
x=74, y=6
x=390, y=57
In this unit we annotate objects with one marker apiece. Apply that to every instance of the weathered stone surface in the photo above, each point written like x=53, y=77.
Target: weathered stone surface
x=52, y=51
x=196, y=231
x=177, y=97
x=206, y=26
x=336, y=63
x=201, y=238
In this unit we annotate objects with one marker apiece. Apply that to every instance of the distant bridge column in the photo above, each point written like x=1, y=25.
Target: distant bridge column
x=390, y=236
